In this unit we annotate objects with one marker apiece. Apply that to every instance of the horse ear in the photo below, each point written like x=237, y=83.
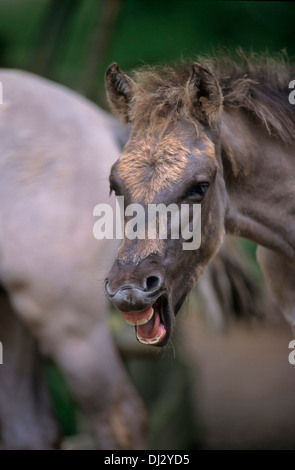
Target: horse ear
x=204, y=94
x=119, y=88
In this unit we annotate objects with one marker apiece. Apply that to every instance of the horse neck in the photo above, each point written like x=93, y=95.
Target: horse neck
x=259, y=177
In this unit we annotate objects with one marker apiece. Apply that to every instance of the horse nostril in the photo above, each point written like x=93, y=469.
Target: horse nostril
x=153, y=283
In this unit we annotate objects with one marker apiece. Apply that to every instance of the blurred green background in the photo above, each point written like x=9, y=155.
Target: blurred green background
x=73, y=41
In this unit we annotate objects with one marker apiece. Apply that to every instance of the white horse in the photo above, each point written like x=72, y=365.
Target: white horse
x=56, y=150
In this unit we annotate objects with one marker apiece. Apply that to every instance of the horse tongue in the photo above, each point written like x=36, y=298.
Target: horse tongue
x=151, y=328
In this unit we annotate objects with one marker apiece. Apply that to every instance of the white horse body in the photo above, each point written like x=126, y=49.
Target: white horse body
x=56, y=150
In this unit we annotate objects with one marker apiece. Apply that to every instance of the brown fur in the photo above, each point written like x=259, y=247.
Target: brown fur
x=209, y=148
x=151, y=165
x=203, y=95
x=257, y=84
x=144, y=248
x=120, y=92
x=230, y=156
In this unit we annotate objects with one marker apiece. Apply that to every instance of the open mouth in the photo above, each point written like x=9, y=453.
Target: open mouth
x=151, y=325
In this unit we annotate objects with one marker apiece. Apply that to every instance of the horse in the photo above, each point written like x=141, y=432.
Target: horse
x=56, y=149
x=219, y=132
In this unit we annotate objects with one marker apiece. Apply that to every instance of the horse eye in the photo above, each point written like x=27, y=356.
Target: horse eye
x=198, y=190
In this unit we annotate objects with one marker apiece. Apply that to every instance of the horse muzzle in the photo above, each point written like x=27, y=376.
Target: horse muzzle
x=142, y=301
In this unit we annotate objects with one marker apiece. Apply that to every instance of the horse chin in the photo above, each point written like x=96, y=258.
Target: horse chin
x=156, y=331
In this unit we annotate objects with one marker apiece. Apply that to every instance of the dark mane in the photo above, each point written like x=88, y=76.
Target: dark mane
x=256, y=83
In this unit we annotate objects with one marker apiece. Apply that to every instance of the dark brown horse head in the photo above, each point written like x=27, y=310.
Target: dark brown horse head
x=172, y=157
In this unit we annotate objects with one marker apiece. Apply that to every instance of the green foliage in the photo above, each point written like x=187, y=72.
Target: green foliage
x=63, y=404
x=166, y=30
x=165, y=385
x=19, y=20
x=144, y=31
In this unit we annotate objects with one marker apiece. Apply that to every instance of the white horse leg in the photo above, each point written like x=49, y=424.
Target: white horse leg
x=100, y=386
x=26, y=416
x=77, y=339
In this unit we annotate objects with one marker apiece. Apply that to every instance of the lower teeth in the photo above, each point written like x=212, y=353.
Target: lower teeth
x=150, y=341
